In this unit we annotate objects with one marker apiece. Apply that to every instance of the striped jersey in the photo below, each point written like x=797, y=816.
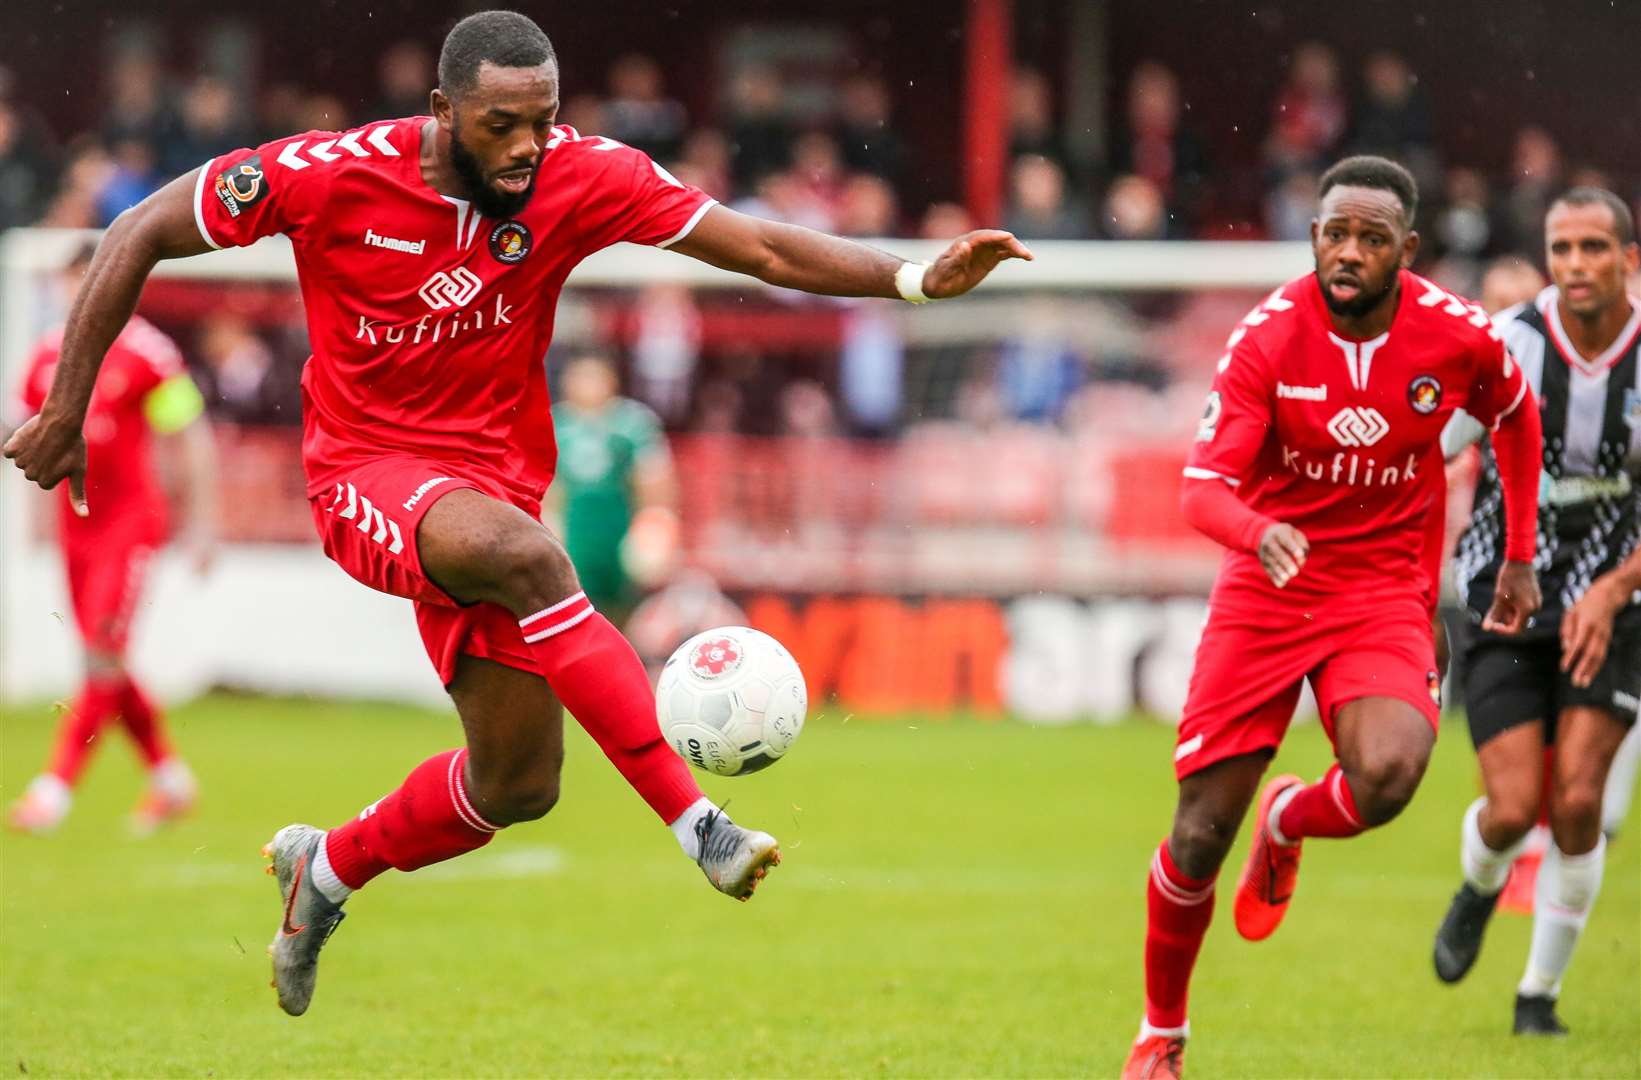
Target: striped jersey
x=1589, y=512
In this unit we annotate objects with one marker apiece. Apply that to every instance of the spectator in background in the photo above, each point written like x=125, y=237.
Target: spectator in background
x=865, y=132
x=1031, y=118
x=1039, y=208
x=1310, y=114
x=322, y=112
x=585, y=113
x=279, y=112
x=211, y=124
x=241, y=381
x=759, y=135
x=1462, y=232
x=28, y=168
x=404, y=78
x=134, y=177
x=1393, y=119
x=1290, y=207
x=1536, y=171
x=639, y=114
x=666, y=350
x=945, y=219
x=79, y=191
x=871, y=357
x=1155, y=143
x=806, y=410
x=1509, y=281
x=817, y=167
x=1039, y=369
x=1134, y=210
x=137, y=102
x=706, y=162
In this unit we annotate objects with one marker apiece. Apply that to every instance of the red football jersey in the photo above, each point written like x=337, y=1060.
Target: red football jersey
x=429, y=324
x=1340, y=438
x=121, y=488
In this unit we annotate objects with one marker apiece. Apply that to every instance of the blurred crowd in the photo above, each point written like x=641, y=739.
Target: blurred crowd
x=845, y=167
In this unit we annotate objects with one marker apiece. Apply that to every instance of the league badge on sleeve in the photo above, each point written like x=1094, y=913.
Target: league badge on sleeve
x=242, y=186
x=510, y=242
x=1632, y=409
x=1424, y=394
x=1208, y=427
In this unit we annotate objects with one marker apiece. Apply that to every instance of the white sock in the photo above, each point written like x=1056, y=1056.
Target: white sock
x=50, y=791
x=1484, y=868
x=1149, y=1032
x=684, y=827
x=325, y=879
x=173, y=777
x=1615, y=799
x=1567, y=888
x=1279, y=804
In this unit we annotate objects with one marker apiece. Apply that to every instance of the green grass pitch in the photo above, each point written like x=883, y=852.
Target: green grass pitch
x=958, y=899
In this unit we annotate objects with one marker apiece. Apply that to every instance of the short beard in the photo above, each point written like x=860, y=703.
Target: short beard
x=490, y=202
x=1363, y=302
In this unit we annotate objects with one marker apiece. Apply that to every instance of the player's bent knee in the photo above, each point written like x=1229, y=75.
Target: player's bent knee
x=514, y=801
x=530, y=569
x=1577, y=808
x=1384, y=785
x=1510, y=821
x=1199, y=843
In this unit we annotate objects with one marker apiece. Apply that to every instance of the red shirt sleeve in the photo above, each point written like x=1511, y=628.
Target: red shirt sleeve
x=632, y=199
x=1235, y=420
x=245, y=194
x=1498, y=387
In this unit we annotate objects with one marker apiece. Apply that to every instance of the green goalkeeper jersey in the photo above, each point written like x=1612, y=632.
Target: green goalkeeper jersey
x=597, y=454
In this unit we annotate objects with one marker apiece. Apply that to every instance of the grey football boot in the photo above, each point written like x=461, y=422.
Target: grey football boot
x=734, y=859
x=310, y=919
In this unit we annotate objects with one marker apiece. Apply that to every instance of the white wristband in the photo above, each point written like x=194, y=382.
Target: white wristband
x=909, y=282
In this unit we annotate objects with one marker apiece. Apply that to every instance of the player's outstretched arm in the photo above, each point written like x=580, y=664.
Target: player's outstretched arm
x=49, y=446
x=798, y=258
x=1518, y=449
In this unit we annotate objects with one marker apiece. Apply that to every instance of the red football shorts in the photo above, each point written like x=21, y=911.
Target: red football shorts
x=105, y=580
x=1252, y=662
x=367, y=523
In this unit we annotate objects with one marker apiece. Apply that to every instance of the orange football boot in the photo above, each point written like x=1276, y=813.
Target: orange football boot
x=1158, y=1057
x=1268, y=877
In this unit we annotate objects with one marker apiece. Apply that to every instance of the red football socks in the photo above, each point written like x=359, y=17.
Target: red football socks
x=598, y=677
x=1179, y=910
x=428, y=819
x=142, y=722
x=99, y=700
x=1325, y=808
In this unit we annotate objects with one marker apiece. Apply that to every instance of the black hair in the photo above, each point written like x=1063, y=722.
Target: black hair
x=502, y=38
x=1382, y=174
x=1623, y=220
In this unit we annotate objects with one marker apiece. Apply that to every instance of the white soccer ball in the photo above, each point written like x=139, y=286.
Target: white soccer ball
x=731, y=701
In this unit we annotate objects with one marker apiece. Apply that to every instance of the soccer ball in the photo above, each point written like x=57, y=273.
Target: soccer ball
x=731, y=701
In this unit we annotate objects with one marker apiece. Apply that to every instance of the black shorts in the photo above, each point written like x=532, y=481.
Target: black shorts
x=1512, y=681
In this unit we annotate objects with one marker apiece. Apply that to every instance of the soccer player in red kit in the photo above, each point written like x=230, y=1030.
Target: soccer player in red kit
x=143, y=391
x=1316, y=464
x=430, y=253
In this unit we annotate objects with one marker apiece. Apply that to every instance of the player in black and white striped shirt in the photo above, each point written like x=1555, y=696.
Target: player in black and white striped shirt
x=1572, y=680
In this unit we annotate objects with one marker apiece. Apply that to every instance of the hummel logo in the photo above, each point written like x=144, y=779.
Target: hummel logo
x=1302, y=393
x=1360, y=426
x=409, y=247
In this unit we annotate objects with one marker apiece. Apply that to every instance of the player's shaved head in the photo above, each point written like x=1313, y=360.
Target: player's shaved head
x=502, y=38
x=1376, y=173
